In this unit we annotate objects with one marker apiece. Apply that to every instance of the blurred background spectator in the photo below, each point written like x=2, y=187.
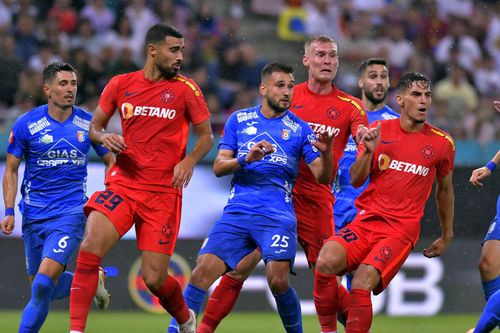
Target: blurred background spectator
x=456, y=43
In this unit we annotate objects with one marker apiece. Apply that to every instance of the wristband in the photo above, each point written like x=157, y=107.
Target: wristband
x=242, y=161
x=491, y=165
x=9, y=211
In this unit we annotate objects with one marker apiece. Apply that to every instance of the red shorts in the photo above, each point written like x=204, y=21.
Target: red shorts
x=156, y=215
x=314, y=223
x=365, y=245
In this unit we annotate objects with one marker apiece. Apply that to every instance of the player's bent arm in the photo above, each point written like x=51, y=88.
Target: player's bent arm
x=111, y=141
x=322, y=168
x=204, y=143
x=9, y=192
x=225, y=163
x=445, y=201
x=360, y=169
x=485, y=171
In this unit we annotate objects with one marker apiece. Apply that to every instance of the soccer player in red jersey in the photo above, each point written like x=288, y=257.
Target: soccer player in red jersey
x=403, y=158
x=325, y=108
x=156, y=105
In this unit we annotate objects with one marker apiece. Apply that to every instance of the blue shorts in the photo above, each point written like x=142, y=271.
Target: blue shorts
x=55, y=238
x=494, y=229
x=234, y=236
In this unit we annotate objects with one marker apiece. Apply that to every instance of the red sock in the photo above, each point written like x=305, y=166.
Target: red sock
x=325, y=294
x=83, y=289
x=170, y=297
x=360, y=312
x=220, y=303
x=344, y=303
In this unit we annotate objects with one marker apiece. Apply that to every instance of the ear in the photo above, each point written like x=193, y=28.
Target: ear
x=399, y=100
x=152, y=50
x=305, y=61
x=263, y=89
x=360, y=83
x=46, y=90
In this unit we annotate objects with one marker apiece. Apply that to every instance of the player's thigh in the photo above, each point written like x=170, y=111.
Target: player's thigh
x=277, y=240
x=387, y=255
x=489, y=265
x=246, y=266
x=158, y=218
x=229, y=239
x=208, y=268
x=63, y=240
x=34, y=239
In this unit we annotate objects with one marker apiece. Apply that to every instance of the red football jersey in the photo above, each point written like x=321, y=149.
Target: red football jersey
x=155, y=117
x=339, y=114
x=403, y=170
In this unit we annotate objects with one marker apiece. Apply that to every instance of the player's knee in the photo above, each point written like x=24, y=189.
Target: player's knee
x=153, y=279
x=238, y=276
x=488, y=267
x=201, y=277
x=365, y=278
x=278, y=284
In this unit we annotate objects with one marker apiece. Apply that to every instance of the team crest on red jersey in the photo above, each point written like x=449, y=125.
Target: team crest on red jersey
x=386, y=252
x=167, y=233
x=333, y=113
x=427, y=152
x=167, y=96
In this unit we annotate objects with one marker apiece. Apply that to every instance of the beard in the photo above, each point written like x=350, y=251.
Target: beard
x=168, y=73
x=275, y=106
x=369, y=96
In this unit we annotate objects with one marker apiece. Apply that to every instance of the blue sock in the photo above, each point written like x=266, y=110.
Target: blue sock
x=289, y=309
x=194, y=297
x=36, y=310
x=491, y=287
x=63, y=286
x=491, y=315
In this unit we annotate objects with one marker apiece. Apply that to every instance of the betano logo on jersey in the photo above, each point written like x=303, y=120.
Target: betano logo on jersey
x=385, y=162
x=320, y=128
x=128, y=111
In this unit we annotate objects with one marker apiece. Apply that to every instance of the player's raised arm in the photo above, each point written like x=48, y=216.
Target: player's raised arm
x=445, y=201
x=484, y=171
x=361, y=168
x=322, y=168
x=183, y=171
x=111, y=141
x=9, y=192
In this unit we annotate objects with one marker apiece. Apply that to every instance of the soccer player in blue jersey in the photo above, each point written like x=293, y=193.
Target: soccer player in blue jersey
x=53, y=139
x=373, y=80
x=489, y=265
x=262, y=147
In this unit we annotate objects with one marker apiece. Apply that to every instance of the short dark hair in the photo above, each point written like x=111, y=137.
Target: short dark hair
x=158, y=32
x=272, y=67
x=50, y=71
x=407, y=80
x=369, y=62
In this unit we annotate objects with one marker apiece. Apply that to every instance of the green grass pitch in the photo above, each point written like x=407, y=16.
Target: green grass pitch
x=238, y=322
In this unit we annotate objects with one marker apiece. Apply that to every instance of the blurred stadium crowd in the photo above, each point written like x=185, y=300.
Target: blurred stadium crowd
x=456, y=43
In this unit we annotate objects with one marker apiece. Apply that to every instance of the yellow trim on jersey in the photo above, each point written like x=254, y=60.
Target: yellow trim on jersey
x=189, y=84
x=353, y=102
x=446, y=136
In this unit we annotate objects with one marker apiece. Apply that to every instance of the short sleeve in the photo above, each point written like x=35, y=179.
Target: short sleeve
x=358, y=117
x=228, y=139
x=197, y=108
x=447, y=162
x=18, y=143
x=107, y=101
x=309, y=152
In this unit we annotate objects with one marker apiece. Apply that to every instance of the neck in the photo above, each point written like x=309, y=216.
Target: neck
x=270, y=113
x=369, y=106
x=152, y=73
x=409, y=124
x=320, y=88
x=58, y=113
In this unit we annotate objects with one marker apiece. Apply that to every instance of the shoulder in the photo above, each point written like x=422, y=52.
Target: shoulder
x=124, y=77
x=292, y=117
x=33, y=115
x=389, y=113
x=244, y=114
x=188, y=84
x=353, y=102
x=440, y=136
x=82, y=113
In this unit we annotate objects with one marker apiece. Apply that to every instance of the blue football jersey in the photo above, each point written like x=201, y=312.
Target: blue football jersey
x=344, y=209
x=55, y=154
x=265, y=187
